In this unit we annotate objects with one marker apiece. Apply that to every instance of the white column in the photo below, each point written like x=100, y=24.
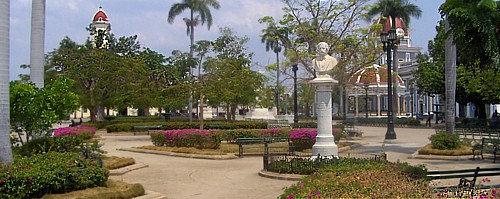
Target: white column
x=325, y=145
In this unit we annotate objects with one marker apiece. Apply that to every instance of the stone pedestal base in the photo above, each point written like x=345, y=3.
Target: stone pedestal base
x=327, y=149
x=325, y=145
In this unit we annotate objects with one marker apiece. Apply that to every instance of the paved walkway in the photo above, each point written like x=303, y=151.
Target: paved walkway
x=178, y=177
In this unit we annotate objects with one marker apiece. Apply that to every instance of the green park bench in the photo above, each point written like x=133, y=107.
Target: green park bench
x=489, y=145
x=147, y=128
x=463, y=174
x=262, y=143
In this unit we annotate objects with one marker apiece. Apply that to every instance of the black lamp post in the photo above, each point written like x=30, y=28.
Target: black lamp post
x=411, y=99
x=388, y=40
x=295, y=105
x=366, y=86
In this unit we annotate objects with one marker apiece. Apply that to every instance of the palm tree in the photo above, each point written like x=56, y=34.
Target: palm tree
x=195, y=6
x=395, y=9
x=37, y=57
x=451, y=79
x=275, y=38
x=5, y=149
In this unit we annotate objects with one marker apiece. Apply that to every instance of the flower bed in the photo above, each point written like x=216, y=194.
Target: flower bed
x=86, y=132
x=202, y=139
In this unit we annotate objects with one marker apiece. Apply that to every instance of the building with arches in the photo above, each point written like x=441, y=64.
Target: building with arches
x=409, y=102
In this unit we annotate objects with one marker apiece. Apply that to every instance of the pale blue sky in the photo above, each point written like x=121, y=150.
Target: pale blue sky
x=148, y=19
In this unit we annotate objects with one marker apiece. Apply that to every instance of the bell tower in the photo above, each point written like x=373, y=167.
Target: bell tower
x=100, y=29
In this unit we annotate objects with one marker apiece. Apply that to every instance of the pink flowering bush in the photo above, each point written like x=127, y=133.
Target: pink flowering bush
x=202, y=139
x=305, y=138
x=86, y=132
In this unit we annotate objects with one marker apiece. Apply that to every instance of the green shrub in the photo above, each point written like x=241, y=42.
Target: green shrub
x=305, y=125
x=37, y=146
x=109, y=118
x=445, y=141
x=32, y=177
x=125, y=126
x=46, y=144
x=158, y=138
x=61, y=144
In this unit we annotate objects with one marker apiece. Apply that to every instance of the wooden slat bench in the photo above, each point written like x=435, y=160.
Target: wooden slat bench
x=463, y=174
x=487, y=145
x=262, y=143
x=146, y=128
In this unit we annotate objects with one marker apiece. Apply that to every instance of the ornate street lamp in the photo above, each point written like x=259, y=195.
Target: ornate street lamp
x=388, y=40
x=295, y=114
x=366, y=86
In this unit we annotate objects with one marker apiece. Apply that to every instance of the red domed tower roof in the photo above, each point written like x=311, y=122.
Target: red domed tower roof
x=387, y=24
x=100, y=16
x=374, y=75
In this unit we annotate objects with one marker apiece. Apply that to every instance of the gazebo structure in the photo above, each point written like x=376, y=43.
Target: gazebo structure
x=369, y=88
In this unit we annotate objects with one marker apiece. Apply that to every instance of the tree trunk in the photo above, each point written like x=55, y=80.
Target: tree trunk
x=481, y=110
x=201, y=111
x=341, y=101
x=191, y=50
x=99, y=113
x=450, y=80
x=37, y=55
x=5, y=147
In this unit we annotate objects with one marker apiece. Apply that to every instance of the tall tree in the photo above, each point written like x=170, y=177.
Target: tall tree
x=200, y=7
x=229, y=77
x=475, y=30
x=393, y=9
x=37, y=57
x=337, y=23
x=101, y=77
x=275, y=38
x=5, y=148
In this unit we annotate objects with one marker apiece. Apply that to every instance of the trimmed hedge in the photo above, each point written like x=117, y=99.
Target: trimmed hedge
x=232, y=134
x=206, y=139
x=52, y=172
x=129, y=126
x=382, y=121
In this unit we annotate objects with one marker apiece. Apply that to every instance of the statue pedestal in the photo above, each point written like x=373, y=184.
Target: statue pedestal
x=260, y=113
x=325, y=145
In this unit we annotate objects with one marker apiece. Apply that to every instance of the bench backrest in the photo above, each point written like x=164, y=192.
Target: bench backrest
x=490, y=141
x=249, y=140
x=464, y=173
x=262, y=140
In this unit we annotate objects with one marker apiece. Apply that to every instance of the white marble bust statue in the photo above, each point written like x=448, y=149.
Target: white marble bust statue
x=324, y=62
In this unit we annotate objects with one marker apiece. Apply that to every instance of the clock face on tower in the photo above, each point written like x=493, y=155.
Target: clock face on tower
x=400, y=32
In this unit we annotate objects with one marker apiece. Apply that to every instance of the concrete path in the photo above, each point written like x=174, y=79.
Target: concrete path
x=179, y=177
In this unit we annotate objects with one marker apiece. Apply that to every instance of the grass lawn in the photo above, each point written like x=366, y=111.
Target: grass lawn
x=428, y=150
x=114, y=189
